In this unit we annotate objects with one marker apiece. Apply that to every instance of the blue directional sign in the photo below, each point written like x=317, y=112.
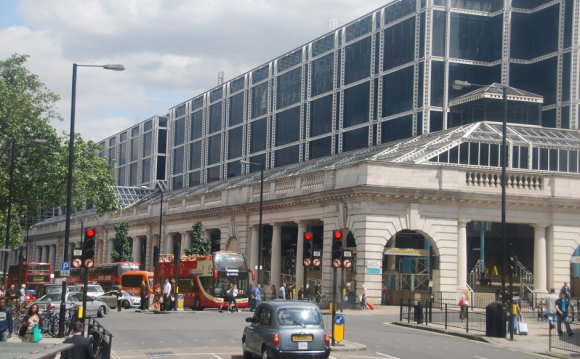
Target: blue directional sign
x=65, y=266
x=339, y=320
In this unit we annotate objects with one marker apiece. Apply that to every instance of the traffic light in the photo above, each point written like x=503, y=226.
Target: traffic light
x=307, y=257
x=337, y=250
x=512, y=264
x=89, y=247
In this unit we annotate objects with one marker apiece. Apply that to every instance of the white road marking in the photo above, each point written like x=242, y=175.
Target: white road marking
x=217, y=356
x=478, y=357
x=331, y=357
x=177, y=354
x=387, y=356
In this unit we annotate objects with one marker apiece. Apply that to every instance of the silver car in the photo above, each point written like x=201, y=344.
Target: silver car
x=286, y=329
x=95, y=308
x=129, y=300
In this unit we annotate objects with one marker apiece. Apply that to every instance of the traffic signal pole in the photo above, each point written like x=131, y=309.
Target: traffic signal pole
x=333, y=301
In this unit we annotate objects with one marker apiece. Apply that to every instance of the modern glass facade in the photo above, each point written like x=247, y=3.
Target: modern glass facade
x=138, y=153
x=383, y=77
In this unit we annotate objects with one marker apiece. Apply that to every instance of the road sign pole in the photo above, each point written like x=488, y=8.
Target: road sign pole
x=333, y=301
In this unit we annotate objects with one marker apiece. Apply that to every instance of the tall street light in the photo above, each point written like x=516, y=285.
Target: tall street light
x=11, y=198
x=69, y=184
x=458, y=85
x=161, y=187
x=259, y=270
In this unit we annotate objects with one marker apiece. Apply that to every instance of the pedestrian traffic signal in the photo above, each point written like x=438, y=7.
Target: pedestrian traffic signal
x=337, y=250
x=512, y=264
x=307, y=257
x=89, y=246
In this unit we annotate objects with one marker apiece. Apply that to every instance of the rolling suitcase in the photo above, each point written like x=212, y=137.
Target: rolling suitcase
x=371, y=306
x=522, y=328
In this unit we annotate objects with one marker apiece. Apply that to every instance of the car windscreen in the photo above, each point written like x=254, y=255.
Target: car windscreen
x=51, y=297
x=298, y=316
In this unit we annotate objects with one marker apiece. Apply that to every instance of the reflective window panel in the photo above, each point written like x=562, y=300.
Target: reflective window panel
x=258, y=136
x=288, y=126
x=356, y=105
x=321, y=116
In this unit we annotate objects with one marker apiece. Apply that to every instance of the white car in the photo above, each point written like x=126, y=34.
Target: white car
x=93, y=290
x=129, y=300
x=95, y=308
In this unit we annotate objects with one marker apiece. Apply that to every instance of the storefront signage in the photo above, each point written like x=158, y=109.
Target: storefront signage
x=406, y=252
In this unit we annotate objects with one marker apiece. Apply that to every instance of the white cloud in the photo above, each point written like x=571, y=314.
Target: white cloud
x=172, y=49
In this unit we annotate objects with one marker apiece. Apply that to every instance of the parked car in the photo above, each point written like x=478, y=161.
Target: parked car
x=129, y=301
x=56, y=288
x=93, y=290
x=95, y=308
x=286, y=329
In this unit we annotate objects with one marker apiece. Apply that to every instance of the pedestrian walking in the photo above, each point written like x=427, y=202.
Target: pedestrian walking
x=257, y=294
x=551, y=307
x=463, y=305
x=31, y=321
x=282, y=291
x=82, y=348
x=318, y=294
x=2, y=291
x=23, y=293
x=363, y=297
x=166, y=303
x=384, y=294
x=12, y=294
x=157, y=298
x=144, y=296
x=119, y=299
x=562, y=309
x=6, y=324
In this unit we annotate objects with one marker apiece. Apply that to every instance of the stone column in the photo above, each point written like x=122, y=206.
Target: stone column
x=540, y=269
x=300, y=256
x=275, y=264
x=135, y=252
x=51, y=255
x=461, y=254
x=254, y=250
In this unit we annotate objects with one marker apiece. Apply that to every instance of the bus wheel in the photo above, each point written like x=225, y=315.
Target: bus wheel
x=197, y=304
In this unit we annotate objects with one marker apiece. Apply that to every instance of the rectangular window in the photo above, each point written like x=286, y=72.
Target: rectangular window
x=214, y=149
x=148, y=126
x=234, y=169
x=196, y=125
x=177, y=183
x=146, y=170
x=237, y=84
x=399, y=44
x=289, y=85
x=123, y=153
x=397, y=10
x=322, y=45
x=320, y=148
x=112, y=141
x=134, y=131
x=321, y=116
x=288, y=126
x=474, y=37
x=355, y=139
x=287, y=156
x=573, y=162
x=178, y=160
x=235, y=141
x=359, y=28
x=216, y=94
x=134, y=149
x=290, y=60
x=147, y=144
x=258, y=135
x=180, y=111
x=322, y=75
x=161, y=168
x=121, y=178
x=194, y=178
x=236, y=109
x=195, y=155
x=162, y=143
x=133, y=174
x=213, y=174
x=215, y=117
x=356, y=105
x=439, y=23
x=179, y=133
x=124, y=136
x=259, y=100
x=197, y=103
x=396, y=129
x=398, y=92
x=260, y=74
x=358, y=61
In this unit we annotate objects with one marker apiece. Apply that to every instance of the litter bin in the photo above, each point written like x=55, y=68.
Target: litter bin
x=180, y=302
x=418, y=313
x=495, y=320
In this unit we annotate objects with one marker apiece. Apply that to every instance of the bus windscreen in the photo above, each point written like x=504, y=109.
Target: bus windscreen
x=224, y=262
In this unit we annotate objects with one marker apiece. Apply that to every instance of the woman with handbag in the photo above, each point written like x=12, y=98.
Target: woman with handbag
x=32, y=323
x=463, y=306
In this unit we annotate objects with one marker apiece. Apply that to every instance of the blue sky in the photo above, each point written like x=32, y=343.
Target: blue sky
x=172, y=49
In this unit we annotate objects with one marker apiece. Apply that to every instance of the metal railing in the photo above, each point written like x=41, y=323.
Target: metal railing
x=565, y=342
x=448, y=316
x=101, y=339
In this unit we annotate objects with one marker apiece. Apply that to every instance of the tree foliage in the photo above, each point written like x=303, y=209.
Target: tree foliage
x=199, y=244
x=121, y=247
x=27, y=108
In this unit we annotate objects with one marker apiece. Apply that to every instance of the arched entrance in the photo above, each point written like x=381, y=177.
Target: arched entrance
x=575, y=272
x=410, y=267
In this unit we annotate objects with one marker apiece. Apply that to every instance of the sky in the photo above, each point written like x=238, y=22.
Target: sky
x=172, y=50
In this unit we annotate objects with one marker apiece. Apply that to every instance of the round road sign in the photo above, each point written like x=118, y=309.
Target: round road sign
x=89, y=263
x=307, y=262
x=76, y=263
x=316, y=262
x=347, y=263
x=336, y=263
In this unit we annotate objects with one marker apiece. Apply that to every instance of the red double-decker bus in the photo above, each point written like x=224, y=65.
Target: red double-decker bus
x=108, y=275
x=203, y=280
x=34, y=275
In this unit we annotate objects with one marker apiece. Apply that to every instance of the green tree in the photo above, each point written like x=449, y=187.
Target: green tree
x=121, y=247
x=27, y=108
x=199, y=244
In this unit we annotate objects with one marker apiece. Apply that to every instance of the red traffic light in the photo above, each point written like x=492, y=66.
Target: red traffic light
x=337, y=235
x=307, y=236
x=90, y=233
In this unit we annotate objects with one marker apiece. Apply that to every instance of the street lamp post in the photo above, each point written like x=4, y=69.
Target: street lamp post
x=10, y=199
x=458, y=85
x=259, y=270
x=69, y=184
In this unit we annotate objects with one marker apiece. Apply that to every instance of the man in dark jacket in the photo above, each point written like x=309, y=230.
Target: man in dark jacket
x=562, y=310
x=81, y=346
x=144, y=295
x=6, y=325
